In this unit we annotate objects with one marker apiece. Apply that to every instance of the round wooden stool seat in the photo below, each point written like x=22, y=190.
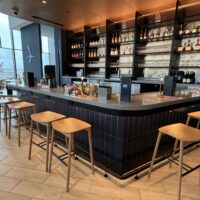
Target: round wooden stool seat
x=20, y=105
x=21, y=108
x=181, y=132
x=70, y=125
x=46, y=117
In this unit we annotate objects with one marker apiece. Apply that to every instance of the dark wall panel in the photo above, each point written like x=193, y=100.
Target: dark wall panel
x=60, y=37
x=31, y=45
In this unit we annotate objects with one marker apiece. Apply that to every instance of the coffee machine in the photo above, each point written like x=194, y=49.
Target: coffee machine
x=50, y=75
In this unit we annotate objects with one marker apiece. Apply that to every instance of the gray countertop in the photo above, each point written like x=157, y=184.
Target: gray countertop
x=139, y=102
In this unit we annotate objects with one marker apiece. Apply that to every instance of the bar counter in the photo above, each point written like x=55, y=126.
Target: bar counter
x=124, y=134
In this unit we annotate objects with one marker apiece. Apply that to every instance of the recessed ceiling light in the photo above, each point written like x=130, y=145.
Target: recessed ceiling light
x=44, y=2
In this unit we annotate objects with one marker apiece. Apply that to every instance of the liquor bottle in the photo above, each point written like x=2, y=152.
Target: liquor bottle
x=194, y=30
x=95, y=53
x=113, y=38
x=141, y=35
x=145, y=34
x=171, y=31
x=116, y=51
x=158, y=34
x=181, y=30
x=187, y=30
x=111, y=51
x=189, y=80
x=116, y=38
x=188, y=46
x=151, y=35
x=197, y=45
x=119, y=38
x=185, y=77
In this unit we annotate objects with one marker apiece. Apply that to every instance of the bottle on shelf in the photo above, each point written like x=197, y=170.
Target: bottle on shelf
x=171, y=31
x=194, y=29
x=158, y=34
x=145, y=34
x=181, y=30
x=187, y=30
x=185, y=77
x=95, y=53
x=119, y=38
x=116, y=38
x=152, y=35
x=197, y=45
x=188, y=46
x=113, y=38
x=141, y=35
x=189, y=78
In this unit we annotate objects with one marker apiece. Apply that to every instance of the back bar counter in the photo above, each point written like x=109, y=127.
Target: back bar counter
x=124, y=134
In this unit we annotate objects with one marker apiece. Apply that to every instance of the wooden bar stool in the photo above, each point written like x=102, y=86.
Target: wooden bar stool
x=4, y=101
x=45, y=118
x=20, y=108
x=69, y=127
x=182, y=133
x=194, y=115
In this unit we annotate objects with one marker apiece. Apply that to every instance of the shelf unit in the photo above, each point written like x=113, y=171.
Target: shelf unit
x=186, y=60
x=76, y=53
x=95, y=52
x=153, y=45
x=138, y=46
x=120, y=55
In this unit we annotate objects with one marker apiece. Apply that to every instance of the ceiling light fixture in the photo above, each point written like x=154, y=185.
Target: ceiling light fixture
x=44, y=2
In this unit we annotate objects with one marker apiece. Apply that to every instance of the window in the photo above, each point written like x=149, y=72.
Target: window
x=5, y=31
x=19, y=64
x=11, y=57
x=6, y=64
x=48, y=46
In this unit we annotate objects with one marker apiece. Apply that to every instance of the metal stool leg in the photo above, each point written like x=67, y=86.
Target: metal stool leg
x=180, y=171
x=51, y=151
x=31, y=139
x=69, y=161
x=154, y=153
x=91, y=149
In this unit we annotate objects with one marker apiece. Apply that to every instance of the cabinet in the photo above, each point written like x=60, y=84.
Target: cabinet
x=146, y=46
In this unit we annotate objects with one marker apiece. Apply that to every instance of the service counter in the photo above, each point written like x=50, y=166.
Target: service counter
x=124, y=134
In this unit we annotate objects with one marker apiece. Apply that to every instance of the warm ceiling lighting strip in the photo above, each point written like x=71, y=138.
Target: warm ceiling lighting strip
x=171, y=9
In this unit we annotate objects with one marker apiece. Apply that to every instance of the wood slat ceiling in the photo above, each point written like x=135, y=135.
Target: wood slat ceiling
x=75, y=14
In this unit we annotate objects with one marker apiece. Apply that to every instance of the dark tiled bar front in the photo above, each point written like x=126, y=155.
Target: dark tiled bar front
x=124, y=134
x=99, y=100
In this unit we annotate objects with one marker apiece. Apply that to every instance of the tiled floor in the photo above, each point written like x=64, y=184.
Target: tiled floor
x=21, y=179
